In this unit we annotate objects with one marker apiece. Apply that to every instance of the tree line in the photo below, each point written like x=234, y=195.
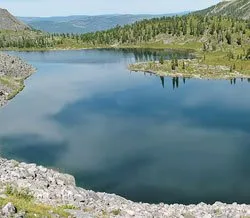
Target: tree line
x=217, y=29
x=211, y=31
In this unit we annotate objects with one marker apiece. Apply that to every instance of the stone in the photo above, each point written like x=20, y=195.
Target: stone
x=9, y=209
x=207, y=216
x=79, y=214
x=130, y=212
x=53, y=188
x=20, y=215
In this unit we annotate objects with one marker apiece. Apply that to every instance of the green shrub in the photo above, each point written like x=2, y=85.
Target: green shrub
x=20, y=194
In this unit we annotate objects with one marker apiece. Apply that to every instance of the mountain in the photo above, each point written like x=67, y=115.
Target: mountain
x=9, y=22
x=85, y=24
x=233, y=8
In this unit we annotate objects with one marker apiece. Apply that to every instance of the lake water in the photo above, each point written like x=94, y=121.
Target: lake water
x=84, y=113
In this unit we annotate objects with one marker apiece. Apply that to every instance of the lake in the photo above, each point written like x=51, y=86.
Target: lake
x=146, y=138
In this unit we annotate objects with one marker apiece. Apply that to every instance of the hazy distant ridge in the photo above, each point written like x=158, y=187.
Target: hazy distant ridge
x=84, y=23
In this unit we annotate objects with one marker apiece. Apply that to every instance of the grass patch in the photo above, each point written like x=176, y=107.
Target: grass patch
x=220, y=58
x=24, y=201
x=116, y=212
x=69, y=207
x=15, y=92
x=15, y=85
x=20, y=194
x=32, y=209
x=6, y=81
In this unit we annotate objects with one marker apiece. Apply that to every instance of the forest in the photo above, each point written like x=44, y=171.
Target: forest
x=217, y=30
x=210, y=32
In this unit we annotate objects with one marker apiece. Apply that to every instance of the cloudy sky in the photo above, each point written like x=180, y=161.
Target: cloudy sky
x=94, y=7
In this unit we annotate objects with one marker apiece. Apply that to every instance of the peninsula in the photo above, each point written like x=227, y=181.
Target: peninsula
x=13, y=72
x=219, y=43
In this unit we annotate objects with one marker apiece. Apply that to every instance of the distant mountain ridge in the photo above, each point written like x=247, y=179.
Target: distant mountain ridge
x=9, y=22
x=233, y=8
x=85, y=23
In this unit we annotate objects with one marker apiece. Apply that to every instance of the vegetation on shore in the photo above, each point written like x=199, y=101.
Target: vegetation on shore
x=211, y=32
x=221, y=64
x=26, y=204
x=194, y=68
x=16, y=85
x=216, y=40
x=13, y=73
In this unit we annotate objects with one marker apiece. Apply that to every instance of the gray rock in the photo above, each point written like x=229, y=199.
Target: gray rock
x=79, y=214
x=20, y=215
x=9, y=22
x=9, y=209
x=51, y=187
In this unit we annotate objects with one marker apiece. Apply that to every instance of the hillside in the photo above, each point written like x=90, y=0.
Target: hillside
x=16, y=34
x=216, y=40
x=211, y=31
x=233, y=8
x=84, y=24
x=9, y=22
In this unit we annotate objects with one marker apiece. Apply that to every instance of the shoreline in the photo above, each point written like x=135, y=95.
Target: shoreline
x=13, y=72
x=50, y=187
x=206, y=65
x=148, y=46
x=188, y=68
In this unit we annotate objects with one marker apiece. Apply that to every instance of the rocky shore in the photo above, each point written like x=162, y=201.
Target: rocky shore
x=28, y=190
x=13, y=72
x=50, y=187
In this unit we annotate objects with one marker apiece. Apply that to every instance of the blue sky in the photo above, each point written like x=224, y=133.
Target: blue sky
x=94, y=7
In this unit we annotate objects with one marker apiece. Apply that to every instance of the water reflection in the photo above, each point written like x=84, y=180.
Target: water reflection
x=234, y=80
x=118, y=132
x=175, y=81
x=162, y=81
x=154, y=54
x=21, y=147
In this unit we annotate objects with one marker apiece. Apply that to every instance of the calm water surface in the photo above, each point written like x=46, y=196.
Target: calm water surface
x=84, y=113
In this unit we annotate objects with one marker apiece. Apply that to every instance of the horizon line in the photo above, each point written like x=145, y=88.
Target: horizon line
x=109, y=14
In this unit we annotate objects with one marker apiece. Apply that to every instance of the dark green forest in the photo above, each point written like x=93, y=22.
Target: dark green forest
x=210, y=31
x=218, y=29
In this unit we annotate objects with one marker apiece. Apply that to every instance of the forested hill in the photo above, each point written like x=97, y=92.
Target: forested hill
x=233, y=8
x=192, y=28
x=211, y=32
